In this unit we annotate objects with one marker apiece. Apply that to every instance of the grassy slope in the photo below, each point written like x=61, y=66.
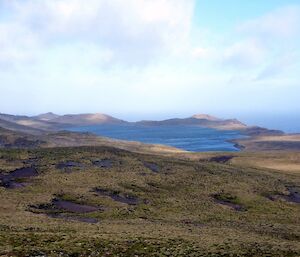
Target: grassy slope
x=14, y=139
x=178, y=218
x=287, y=162
x=17, y=128
x=288, y=142
x=73, y=139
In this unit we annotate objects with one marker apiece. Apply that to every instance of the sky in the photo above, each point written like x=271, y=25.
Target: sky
x=153, y=59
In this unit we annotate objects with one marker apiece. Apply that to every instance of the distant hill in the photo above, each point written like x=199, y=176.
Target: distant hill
x=202, y=120
x=46, y=130
x=50, y=122
x=29, y=122
x=86, y=119
x=16, y=139
x=46, y=116
x=13, y=126
x=205, y=117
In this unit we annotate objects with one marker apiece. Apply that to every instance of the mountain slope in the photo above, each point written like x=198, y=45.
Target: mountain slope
x=50, y=122
x=86, y=119
x=29, y=122
x=199, y=120
x=205, y=117
x=46, y=116
x=13, y=126
x=16, y=139
x=102, y=201
x=32, y=139
x=54, y=122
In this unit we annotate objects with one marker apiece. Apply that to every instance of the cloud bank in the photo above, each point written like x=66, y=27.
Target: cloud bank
x=79, y=56
x=130, y=32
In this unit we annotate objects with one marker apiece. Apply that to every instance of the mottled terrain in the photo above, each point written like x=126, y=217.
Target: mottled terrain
x=71, y=203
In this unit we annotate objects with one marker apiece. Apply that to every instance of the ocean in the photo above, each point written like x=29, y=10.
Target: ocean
x=190, y=138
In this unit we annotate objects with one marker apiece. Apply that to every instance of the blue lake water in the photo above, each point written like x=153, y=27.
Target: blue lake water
x=190, y=138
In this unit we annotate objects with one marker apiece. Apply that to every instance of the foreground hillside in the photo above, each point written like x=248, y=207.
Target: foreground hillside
x=100, y=201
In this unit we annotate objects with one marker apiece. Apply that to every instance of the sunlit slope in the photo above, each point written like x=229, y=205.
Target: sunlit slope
x=101, y=201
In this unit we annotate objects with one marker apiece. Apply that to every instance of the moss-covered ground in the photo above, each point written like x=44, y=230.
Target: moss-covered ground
x=179, y=212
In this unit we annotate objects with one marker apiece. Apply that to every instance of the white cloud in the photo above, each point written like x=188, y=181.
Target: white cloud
x=282, y=23
x=263, y=44
x=203, y=53
x=244, y=54
x=135, y=31
x=17, y=45
x=279, y=66
x=85, y=54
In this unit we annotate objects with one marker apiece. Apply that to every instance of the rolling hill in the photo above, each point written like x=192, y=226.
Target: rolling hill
x=202, y=120
x=86, y=119
x=103, y=201
x=75, y=194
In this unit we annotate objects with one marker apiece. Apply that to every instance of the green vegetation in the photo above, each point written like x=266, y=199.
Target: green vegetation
x=177, y=211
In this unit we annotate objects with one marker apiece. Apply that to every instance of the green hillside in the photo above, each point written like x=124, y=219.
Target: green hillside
x=100, y=201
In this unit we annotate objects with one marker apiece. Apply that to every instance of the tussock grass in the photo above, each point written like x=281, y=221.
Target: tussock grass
x=177, y=216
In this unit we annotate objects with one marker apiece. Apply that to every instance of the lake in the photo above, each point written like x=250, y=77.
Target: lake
x=190, y=138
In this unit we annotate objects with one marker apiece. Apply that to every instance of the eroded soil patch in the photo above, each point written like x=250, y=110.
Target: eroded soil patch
x=68, y=166
x=105, y=163
x=152, y=166
x=74, y=218
x=18, y=178
x=67, y=210
x=293, y=196
x=73, y=207
x=221, y=159
x=116, y=196
x=229, y=200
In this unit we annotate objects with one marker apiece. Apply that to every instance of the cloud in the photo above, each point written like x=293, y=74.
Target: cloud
x=265, y=44
x=133, y=31
x=203, y=53
x=279, y=66
x=76, y=55
x=244, y=54
x=17, y=45
x=280, y=23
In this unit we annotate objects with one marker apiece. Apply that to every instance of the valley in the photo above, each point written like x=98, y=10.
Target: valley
x=69, y=193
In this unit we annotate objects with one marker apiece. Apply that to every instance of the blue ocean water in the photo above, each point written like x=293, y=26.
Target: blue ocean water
x=190, y=138
x=289, y=123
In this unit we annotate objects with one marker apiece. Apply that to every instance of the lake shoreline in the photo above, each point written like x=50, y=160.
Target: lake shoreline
x=189, y=138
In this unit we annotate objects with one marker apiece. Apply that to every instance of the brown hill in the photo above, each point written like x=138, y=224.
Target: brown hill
x=202, y=120
x=87, y=119
x=13, y=126
x=23, y=140
x=205, y=117
x=46, y=116
x=28, y=122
